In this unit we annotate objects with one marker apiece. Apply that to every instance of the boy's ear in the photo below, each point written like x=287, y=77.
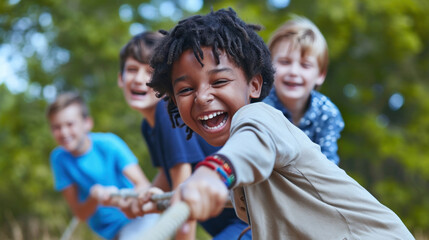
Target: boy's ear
x=320, y=79
x=255, y=86
x=120, y=82
x=89, y=124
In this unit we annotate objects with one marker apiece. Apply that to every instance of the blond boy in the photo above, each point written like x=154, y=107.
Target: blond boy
x=300, y=58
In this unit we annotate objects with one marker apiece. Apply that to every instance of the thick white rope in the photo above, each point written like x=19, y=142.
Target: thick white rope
x=167, y=225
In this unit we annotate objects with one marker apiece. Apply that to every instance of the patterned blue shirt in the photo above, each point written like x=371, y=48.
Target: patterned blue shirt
x=322, y=122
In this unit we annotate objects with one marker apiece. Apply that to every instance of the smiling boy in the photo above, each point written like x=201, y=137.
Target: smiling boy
x=88, y=167
x=171, y=152
x=300, y=57
x=212, y=67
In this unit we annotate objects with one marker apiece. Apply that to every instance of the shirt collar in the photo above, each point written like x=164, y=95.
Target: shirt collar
x=310, y=114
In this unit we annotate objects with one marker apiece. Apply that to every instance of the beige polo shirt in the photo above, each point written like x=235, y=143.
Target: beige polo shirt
x=287, y=189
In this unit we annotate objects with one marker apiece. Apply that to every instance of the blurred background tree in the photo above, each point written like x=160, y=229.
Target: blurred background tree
x=378, y=77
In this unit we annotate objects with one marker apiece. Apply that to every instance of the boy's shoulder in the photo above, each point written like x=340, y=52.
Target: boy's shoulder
x=322, y=103
x=259, y=111
x=103, y=137
x=57, y=152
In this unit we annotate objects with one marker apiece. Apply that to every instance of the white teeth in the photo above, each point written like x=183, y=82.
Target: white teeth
x=216, y=127
x=210, y=116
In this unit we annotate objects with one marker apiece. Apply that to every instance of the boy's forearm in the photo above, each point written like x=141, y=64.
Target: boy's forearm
x=86, y=210
x=179, y=173
x=135, y=174
x=81, y=210
x=160, y=181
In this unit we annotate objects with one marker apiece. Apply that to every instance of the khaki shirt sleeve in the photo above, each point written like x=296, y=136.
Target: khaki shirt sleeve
x=254, y=147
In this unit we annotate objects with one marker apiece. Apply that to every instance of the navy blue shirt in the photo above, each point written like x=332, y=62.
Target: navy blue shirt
x=322, y=122
x=168, y=146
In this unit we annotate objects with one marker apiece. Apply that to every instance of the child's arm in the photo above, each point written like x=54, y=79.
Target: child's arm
x=179, y=173
x=83, y=210
x=129, y=205
x=135, y=174
x=160, y=181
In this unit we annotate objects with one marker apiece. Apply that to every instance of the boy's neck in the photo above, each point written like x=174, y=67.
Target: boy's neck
x=297, y=108
x=84, y=148
x=149, y=115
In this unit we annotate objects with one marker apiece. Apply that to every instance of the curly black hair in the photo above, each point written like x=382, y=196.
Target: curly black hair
x=222, y=30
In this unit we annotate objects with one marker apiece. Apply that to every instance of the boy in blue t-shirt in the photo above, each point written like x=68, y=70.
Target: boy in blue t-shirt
x=87, y=167
x=300, y=58
x=171, y=152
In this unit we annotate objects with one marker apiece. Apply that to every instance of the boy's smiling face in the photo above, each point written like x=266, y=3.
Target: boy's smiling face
x=296, y=75
x=133, y=83
x=208, y=97
x=70, y=129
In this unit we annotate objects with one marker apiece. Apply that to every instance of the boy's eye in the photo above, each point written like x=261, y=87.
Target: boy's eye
x=306, y=65
x=184, y=91
x=284, y=62
x=220, y=82
x=132, y=69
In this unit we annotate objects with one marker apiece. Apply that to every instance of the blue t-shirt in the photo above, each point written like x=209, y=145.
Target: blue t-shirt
x=102, y=164
x=322, y=122
x=168, y=146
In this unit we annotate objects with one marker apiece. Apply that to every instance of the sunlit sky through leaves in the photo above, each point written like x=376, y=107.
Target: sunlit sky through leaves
x=26, y=42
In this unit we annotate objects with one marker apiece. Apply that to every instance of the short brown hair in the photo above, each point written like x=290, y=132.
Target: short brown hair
x=64, y=100
x=141, y=47
x=304, y=34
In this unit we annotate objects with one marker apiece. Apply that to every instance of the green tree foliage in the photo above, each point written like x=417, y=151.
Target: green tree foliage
x=379, y=67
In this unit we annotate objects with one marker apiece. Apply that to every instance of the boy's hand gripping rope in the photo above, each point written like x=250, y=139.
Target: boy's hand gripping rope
x=162, y=200
x=167, y=225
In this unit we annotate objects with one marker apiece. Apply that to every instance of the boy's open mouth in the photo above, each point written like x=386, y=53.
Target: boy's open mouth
x=293, y=84
x=137, y=92
x=214, y=120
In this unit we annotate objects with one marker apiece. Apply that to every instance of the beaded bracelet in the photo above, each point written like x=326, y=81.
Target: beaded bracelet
x=221, y=160
x=218, y=161
x=228, y=179
x=207, y=164
x=224, y=170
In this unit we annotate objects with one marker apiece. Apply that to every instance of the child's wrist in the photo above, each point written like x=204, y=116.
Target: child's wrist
x=221, y=167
